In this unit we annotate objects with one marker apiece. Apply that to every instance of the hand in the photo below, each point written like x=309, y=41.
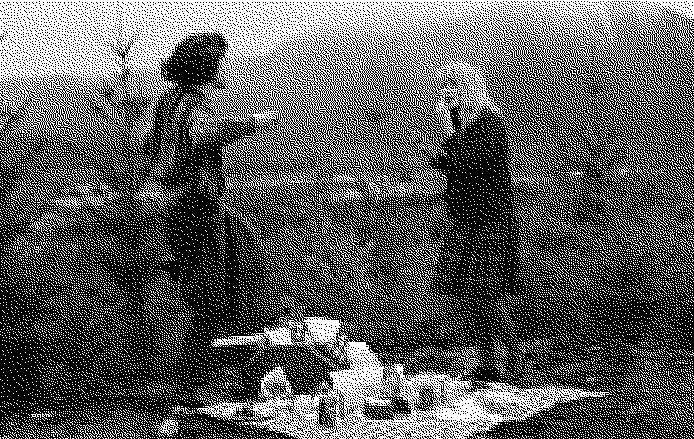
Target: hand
x=262, y=342
x=449, y=97
x=267, y=119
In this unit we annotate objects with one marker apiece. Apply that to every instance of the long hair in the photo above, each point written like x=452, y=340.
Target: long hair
x=466, y=75
x=195, y=60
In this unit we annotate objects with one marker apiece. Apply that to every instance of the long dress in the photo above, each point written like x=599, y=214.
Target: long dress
x=477, y=272
x=189, y=173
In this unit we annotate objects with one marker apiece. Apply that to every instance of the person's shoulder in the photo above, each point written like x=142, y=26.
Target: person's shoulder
x=457, y=138
x=196, y=105
x=489, y=121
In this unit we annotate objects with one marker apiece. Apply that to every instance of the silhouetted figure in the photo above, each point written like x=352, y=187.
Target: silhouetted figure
x=478, y=264
x=187, y=169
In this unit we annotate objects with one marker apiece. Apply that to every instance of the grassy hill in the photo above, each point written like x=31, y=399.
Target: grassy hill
x=598, y=122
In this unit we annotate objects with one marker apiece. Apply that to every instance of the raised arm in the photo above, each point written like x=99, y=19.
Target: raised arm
x=207, y=130
x=209, y=134
x=443, y=160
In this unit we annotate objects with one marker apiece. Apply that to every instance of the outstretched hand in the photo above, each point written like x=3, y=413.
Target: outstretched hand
x=422, y=149
x=268, y=119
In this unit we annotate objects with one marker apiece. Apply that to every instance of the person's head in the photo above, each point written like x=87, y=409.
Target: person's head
x=462, y=93
x=195, y=61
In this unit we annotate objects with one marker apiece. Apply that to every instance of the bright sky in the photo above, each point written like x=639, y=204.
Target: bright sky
x=75, y=37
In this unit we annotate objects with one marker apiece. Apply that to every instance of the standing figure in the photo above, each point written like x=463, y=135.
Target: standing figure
x=187, y=141
x=477, y=271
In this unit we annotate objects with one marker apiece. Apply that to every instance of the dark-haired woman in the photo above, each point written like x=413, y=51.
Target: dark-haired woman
x=187, y=142
x=478, y=267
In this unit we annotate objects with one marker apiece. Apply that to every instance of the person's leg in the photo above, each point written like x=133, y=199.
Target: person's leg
x=234, y=306
x=205, y=292
x=508, y=340
x=198, y=360
x=451, y=336
x=242, y=317
x=476, y=300
x=496, y=327
x=189, y=240
x=475, y=287
x=485, y=341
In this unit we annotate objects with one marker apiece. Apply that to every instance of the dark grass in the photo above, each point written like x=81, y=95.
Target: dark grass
x=617, y=276
x=649, y=396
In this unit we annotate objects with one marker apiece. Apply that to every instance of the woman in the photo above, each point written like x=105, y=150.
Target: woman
x=187, y=145
x=478, y=264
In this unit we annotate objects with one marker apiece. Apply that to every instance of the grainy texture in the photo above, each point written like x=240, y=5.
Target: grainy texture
x=478, y=269
x=597, y=103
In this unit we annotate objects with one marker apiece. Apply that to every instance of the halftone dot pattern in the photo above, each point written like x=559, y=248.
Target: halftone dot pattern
x=596, y=111
x=478, y=268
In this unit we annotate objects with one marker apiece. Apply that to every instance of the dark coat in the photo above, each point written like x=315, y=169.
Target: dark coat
x=195, y=224
x=479, y=197
x=478, y=265
x=189, y=173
